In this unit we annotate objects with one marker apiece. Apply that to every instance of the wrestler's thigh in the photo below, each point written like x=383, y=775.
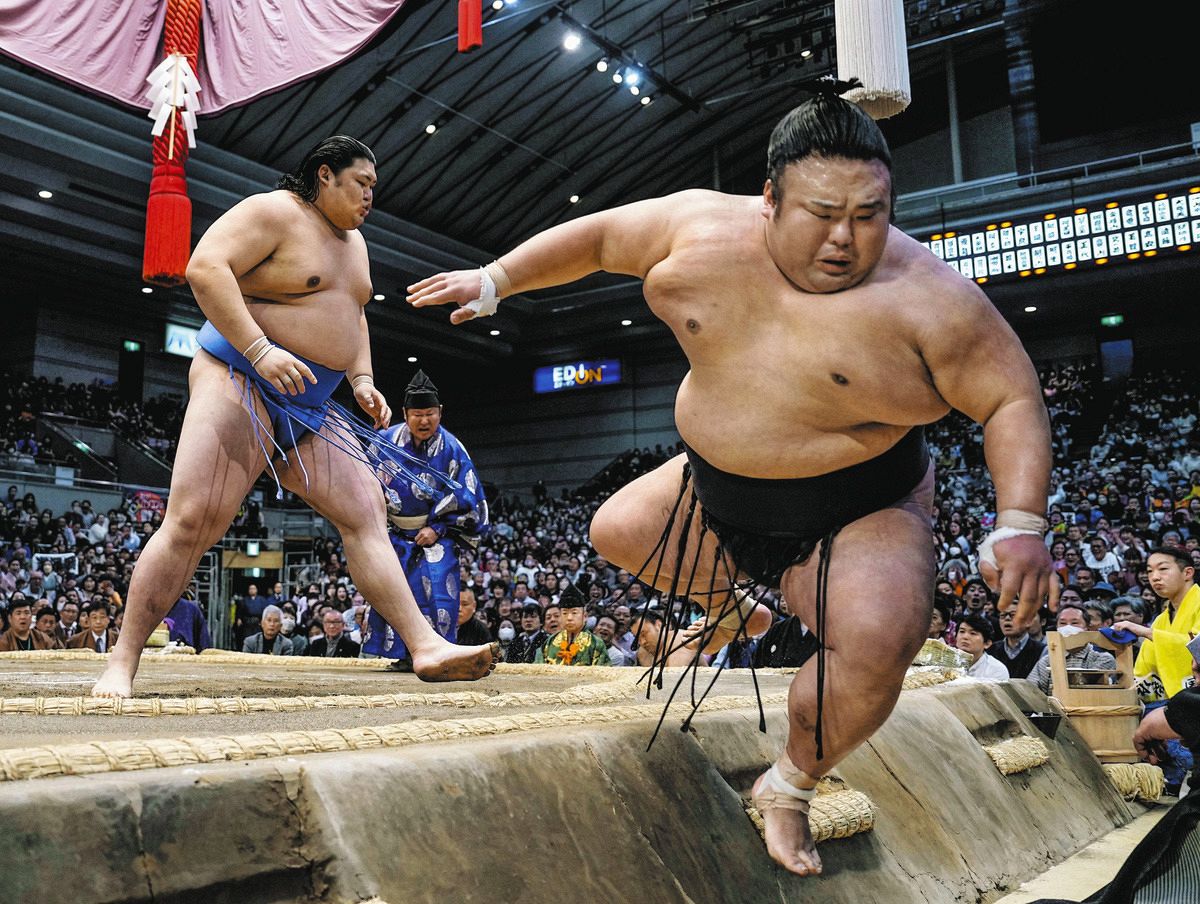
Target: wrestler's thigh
x=219, y=455
x=880, y=588
x=338, y=486
x=629, y=525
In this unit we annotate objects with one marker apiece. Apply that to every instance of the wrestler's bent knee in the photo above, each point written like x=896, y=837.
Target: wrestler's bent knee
x=609, y=534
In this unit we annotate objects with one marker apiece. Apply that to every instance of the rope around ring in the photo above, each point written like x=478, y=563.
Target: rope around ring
x=589, y=694
x=1018, y=754
x=134, y=755
x=1136, y=780
x=832, y=814
x=164, y=654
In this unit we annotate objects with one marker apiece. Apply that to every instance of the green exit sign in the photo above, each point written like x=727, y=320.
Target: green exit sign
x=131, y=346
x=1112, y=320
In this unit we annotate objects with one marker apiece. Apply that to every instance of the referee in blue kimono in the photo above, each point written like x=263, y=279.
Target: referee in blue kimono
x=429, y=519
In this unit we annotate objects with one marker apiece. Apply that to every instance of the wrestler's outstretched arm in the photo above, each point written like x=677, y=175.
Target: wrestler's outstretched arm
x=241, y=239
x=979, y=367
x=628, y=240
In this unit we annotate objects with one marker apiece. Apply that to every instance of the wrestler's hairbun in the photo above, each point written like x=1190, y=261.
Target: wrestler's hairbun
x=829, y=86
x=827, y=125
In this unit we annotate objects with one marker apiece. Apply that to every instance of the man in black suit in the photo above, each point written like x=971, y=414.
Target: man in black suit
x=97, y=635
x=335, y=643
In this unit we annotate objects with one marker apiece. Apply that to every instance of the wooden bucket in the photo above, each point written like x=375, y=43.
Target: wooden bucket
x=1102, y=704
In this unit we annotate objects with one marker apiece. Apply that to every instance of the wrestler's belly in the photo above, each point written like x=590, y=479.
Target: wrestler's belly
x=322, y=327
x=765, y=438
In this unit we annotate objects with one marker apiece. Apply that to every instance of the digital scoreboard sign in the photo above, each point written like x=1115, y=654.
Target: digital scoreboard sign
x=576, y=375
x=181, y=340
x=1070, y=239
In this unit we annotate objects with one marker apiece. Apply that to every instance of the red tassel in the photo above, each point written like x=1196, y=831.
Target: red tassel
x=168, y=227
x=169, y=211
x=470, y=25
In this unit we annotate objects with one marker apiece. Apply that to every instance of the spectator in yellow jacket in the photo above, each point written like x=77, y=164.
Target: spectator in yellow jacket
x=1165, y=652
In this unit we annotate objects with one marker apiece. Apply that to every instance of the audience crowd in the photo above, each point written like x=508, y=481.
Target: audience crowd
x=1115, y=496
x=23, y=400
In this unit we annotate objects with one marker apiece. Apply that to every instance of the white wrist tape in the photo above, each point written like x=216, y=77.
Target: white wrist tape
x=999, y=534
x=489, y=299
x=1022, y=519
x=260, y=354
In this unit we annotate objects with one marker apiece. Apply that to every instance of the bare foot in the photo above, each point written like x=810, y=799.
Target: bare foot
x=719, y=635
x=448, y=662
x=115, y=681
x=789, y=841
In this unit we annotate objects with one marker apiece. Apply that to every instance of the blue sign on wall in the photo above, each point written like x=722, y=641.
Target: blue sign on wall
x=576, y=375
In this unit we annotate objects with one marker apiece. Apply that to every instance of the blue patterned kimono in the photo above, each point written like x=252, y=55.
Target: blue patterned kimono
x=458, y=515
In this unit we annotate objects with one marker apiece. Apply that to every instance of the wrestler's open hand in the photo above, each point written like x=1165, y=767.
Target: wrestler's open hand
x=458, y=287
x=371, y=401
x=1151, y=734
x=284, y=371
x=1024, y=573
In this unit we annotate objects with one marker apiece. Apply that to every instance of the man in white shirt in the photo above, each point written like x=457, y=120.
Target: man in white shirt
x=1100, y=558
x=974, y=636
x=606, y=630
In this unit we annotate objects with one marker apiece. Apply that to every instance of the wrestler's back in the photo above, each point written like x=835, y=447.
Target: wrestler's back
x=308, y=295
x=785, y=383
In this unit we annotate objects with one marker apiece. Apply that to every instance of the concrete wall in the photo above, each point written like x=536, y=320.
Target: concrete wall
x=581, y=814
x=59, y=498
x=987, y=150
x=82, y=346
x=517, y=437
x=17, y=334
x=1061, y=348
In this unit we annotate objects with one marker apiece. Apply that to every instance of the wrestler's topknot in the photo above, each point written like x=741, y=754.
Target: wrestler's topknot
x=338, y=151
x=827, y=126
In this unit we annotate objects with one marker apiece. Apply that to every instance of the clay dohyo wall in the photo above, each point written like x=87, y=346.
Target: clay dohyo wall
x=563, y=812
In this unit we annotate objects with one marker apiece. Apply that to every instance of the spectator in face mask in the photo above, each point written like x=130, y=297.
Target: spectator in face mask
x=505, y=633
x=299, y=641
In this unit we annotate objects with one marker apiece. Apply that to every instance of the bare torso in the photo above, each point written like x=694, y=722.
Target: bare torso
x=309, y=294
x=785, y=383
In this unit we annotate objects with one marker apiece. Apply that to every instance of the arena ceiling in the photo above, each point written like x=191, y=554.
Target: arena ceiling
x=476, y=151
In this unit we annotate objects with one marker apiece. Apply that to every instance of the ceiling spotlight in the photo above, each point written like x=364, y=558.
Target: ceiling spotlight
x=574, y=199
x=1030, y=308
x=497, y=4
x=626, y=323
x=631, y=77
x=431, y=128
x=572, y=40
x=617, y=77
x=378, y=297
x=493, y=332
x=806, y=53
x=635, y=90
x=45, y=195
x=646, y=100
x=412, y=359
x=146, y=290
x=602, y=64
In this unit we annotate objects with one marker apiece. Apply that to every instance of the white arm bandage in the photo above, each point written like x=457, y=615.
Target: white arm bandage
x=494, y=284
x=487, y=302
x=1011, y=523
x=1001, y=533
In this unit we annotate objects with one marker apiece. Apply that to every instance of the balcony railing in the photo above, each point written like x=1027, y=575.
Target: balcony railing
x=918, y=203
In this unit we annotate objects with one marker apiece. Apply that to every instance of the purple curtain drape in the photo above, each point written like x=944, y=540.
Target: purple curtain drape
x=248, y=48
